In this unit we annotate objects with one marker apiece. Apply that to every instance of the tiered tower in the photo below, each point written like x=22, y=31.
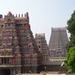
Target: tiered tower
x=18, y=50
x=58, y=41
x=42, y=45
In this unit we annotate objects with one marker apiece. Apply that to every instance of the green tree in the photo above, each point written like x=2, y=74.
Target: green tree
x=71, y=30
x=70, y=60
x=70, y=57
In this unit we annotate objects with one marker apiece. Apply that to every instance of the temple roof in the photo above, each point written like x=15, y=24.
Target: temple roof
x=15, y=18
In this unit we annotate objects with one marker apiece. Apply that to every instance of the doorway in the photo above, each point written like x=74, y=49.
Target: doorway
x=5, y=72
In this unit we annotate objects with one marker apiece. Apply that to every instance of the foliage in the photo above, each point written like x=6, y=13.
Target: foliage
x=70, y=59
x=71, y=30
x=71, y=24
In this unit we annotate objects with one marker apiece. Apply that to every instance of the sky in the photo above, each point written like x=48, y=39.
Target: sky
x=43, y=14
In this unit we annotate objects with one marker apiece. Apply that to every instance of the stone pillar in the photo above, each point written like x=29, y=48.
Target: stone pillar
x=13, y=71
x=35, y=69
x=18, y=70
x=3, y=60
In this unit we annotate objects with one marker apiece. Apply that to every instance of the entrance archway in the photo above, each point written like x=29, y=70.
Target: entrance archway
x=5, y=72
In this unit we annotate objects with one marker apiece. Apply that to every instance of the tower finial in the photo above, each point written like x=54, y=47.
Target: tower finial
x=22, y=15
x=9, y=13
x=16, y=15
x=27, y=16
x=19, y=15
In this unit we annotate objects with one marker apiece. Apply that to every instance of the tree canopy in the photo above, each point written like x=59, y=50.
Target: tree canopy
x=70, y=60
x=71, y=30
x=70, y=57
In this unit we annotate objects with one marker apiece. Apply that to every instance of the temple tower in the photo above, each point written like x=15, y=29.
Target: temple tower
x=57, y=42
x=18, y=50
x=42, y=45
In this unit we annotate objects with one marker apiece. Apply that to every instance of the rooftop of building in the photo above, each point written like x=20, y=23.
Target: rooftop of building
x=54, y=61
x=40, y=35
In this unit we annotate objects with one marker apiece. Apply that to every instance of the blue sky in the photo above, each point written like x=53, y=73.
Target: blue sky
x=44, y=14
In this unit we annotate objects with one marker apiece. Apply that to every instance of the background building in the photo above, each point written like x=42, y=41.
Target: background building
x=42, y=46
x=57, y=42
x=18, y=50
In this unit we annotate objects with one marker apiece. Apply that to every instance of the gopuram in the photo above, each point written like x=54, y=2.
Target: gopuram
x=18, y=50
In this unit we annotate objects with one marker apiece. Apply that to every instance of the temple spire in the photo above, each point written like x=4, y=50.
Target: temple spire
x=19, y=15
x=16, y=15
x=27, y=16
x=22, y=15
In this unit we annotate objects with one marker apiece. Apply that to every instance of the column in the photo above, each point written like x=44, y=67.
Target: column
x=13, y=71
x=3, y=60
x=19, y=70
x=35, y=69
